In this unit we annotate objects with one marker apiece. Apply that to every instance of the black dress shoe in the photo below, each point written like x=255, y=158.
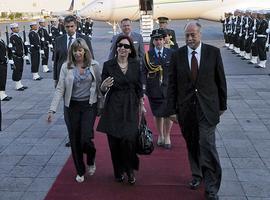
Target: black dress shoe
x=7, y=98
x=67, y=144
x=48, y=71
x=25, y=87
x=211, y=196
x=195, y=183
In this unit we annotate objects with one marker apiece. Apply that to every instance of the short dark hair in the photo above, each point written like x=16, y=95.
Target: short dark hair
x=132, y=48
x=70, y=18
x=125, y=19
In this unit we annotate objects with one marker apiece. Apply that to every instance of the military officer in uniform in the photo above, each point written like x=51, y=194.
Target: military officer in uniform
x=17, y=52
x=3, y=71
x=45, y=42
x=34, y=50
x=163, y=24
x=155, y=70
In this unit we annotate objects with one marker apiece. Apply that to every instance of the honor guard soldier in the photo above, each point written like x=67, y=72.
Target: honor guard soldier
x=262, y=39
x=34, y=50
x=17, y=51
x=3, y=71
x=54, y=34
x=79, y=25
x=236, y=31
x=248, y=34
x=155, y=80
x=242, y=34
x=61, y=26
x=163, y=23
x=254, y=45
x=225, y=24
x=44, y=41
x=89, y=27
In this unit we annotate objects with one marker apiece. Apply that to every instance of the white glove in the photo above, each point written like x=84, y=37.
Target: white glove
x=50, y=34
x=246, y=26
x=11, y=62
x=268, y=30
x=50, y=46
x=26, y=58
x=253, y=28
x=10, y=45
x=41, y=52
x=26, y=43
x=42, y=39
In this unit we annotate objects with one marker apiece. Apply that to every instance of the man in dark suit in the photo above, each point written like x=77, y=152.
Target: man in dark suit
x=62, y=43
x=136, y=37
x=197, y=94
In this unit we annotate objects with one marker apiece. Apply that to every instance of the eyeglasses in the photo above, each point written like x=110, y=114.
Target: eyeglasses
x=126, y=46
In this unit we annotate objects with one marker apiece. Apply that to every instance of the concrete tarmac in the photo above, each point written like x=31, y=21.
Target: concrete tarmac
x=33, y=152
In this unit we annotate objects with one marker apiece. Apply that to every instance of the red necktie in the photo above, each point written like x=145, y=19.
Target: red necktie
x=194, y=66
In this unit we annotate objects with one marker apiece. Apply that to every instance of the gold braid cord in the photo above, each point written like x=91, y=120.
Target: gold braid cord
x=153, y=68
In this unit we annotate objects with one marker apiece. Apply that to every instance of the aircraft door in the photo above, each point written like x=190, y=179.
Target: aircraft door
x=146, y=6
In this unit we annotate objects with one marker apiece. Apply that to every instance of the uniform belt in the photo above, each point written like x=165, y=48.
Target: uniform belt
x=262, y=36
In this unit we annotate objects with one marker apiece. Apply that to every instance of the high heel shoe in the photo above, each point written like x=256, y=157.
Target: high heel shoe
x=131, y=178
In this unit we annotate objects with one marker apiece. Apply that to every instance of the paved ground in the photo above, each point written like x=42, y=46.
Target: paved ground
x=32, y=152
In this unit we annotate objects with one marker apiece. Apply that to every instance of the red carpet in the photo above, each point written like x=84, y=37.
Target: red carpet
x=163, y=175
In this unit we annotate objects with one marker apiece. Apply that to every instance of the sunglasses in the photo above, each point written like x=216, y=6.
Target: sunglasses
x=126, y=46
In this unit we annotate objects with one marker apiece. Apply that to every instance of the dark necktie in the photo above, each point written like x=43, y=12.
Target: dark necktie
x=194, y=66
x=159, y=55
x=70, y=41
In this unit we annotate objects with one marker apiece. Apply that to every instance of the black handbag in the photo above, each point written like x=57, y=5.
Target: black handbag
x=145, y=142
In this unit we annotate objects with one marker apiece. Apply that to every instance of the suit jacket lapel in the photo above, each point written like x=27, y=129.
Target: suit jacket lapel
x=202, y=60
x=185, y=62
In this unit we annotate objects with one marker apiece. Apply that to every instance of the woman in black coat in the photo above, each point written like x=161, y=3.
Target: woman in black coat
x=120, y=117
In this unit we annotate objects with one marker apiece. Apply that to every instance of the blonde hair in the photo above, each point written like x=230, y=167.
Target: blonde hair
x=79, y=43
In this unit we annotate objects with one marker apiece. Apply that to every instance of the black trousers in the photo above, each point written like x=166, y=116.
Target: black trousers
x=242, y=43
x=204, y=162
x=248, y=45
x=45, y=56
x=18, y=68
x=261, y=48
x=35, y=61
x=254, y=48
x=3, y=77
x=80, y=118
x=123, y=154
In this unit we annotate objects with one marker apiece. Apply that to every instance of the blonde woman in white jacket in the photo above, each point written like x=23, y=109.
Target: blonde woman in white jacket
x=79, y=87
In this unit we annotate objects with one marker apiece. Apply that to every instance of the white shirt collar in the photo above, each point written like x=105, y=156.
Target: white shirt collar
x=73, y=36
x=157, y=50
x=198, y=49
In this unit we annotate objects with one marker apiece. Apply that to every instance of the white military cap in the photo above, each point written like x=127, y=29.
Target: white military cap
x=33, y=23
x=14, y=25
x=41, y=20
